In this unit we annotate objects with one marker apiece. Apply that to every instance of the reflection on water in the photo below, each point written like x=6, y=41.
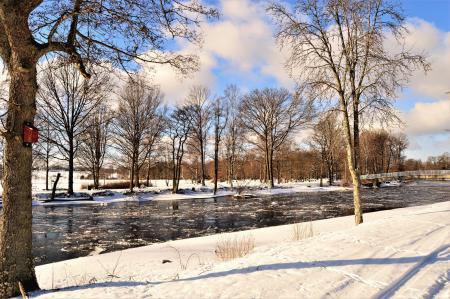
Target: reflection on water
x=64, y=232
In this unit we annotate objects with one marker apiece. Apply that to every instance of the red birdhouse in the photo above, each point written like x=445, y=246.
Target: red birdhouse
x=30, y=134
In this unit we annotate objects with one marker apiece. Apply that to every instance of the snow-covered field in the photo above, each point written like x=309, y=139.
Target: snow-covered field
x=404, y=253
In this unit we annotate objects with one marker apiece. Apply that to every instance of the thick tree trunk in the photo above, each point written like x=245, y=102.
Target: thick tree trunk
x=16, y=259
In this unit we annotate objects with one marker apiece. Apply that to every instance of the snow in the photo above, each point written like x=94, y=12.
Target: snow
x=404, y=253
x=160, y=191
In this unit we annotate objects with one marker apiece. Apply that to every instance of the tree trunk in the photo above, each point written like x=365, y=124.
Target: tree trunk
x=136, y=174
x=47, y=169
x=321, y=171
x=97, y=177
x=330, y=173
x=216, y=162
x=270, y=169
x=132, y=175
x=16, y=259
x=55, y=185
x=202, y=157
x=352, y=148
x=148, y=172
x=71, y=158
x=231, y=173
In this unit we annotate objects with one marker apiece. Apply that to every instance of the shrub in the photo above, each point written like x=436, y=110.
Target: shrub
x=228, y=249
x=302, y=231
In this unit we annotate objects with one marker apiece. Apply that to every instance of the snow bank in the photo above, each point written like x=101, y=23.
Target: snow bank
x=161, y=192
x=400, y=253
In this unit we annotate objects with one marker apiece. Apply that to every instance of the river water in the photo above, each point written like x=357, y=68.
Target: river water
x=69, y=231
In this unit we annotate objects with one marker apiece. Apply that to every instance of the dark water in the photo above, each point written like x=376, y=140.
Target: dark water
x=64, y=232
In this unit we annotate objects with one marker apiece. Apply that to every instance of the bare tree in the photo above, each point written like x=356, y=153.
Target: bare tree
x=220, y=118
x=94, y=141
x=134, y=124
x=66, y=100
x=121, y=32
x=45, y=149
x=198, y=101
x=178, y=130
x=153, y=139
x=337, y=50
x=270, y=116
x=398, y=144
x=233, y=130
x=327, y=139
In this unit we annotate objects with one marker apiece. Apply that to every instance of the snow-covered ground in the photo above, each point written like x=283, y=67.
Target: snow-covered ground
x=160, y=190
x=404, y=253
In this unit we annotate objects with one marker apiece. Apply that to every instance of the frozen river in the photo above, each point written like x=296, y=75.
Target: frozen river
x=69, y=231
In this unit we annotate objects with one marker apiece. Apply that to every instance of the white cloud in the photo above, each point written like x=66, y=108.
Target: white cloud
x=429, y=118
x=435, y=44
x=241, y=41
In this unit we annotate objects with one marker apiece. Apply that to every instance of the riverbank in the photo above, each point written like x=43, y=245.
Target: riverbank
x=403, y=252
x=187, y=191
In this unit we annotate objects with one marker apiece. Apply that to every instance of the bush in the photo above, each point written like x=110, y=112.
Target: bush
x=228, y=249
x=302, y=231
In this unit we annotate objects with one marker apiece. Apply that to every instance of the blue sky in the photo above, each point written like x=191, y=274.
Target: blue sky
x=240, y=49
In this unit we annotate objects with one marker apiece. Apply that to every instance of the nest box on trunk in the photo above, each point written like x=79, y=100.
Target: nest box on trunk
x=30, y=134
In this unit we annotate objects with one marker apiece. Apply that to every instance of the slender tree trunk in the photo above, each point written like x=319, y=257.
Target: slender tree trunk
x=148, y=172
x=97, y=177
x=132, y=174
x=231, y=174
x=321, y=171
x=16, y=259
x=47, y=169
x=270, y=169
x=71, y=158
x=174, y=178
x=136, y=173
x=330, y=172
x=216, y=161
x=202, y=157
x=352, y=151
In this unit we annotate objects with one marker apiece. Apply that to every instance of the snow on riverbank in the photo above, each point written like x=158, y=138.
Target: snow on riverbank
x=402, y=252
x=191, y=191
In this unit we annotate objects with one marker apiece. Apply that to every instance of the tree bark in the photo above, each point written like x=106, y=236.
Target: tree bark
x=16, y=259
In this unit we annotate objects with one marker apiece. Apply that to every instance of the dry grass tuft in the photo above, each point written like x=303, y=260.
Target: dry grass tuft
x=302, y=231
x=227, y=249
